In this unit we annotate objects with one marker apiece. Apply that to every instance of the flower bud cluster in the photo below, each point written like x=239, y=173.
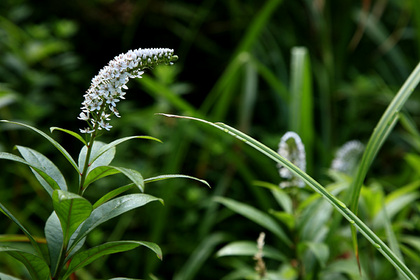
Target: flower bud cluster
x=292, y=148
x=107, y=87
x=347, y=157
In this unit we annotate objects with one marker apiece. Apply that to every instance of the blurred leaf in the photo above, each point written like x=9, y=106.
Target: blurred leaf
x=398, y=200
x=123, y=278
x=22, y=228
x=157, y=89
x=320, y=251
x=282, y=198
x=256, y=216
x=285, y=218
x=6, y=98
x=84, y=258
x=201, y=253
x=37, y=267
x=44, y=164
x=301, y=115
x=248, y=248
x=7, y=277
x=19, y=238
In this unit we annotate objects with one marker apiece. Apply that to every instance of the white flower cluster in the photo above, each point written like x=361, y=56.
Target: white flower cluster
x=107, y=87
x=292, y=148
x=347, y=156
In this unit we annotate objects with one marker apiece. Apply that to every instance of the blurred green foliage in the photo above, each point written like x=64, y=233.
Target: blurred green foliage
x=236, y=66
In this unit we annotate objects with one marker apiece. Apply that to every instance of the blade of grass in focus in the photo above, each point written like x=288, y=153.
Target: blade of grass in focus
x=301, y=101
x=250, y=37
x=379, y=135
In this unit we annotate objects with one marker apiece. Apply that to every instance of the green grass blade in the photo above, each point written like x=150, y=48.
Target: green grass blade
x=199, y=256
x=251, y=36
x=157, y=89
x=301, y=100
x=378, y=137
x=6, y=212
x=272, y=80
x=314, y=185
x=257, y=216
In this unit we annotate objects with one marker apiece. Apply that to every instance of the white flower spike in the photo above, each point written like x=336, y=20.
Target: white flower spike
x=347, y=157
x=292, y=148
x=106, y=89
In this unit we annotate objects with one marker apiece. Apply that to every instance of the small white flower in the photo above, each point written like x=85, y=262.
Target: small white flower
x=292, y=148
x=83, y=116
x=86, y=130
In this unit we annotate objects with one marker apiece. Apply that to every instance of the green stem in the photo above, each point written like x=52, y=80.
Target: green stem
x=89, y=150
x=87, y=164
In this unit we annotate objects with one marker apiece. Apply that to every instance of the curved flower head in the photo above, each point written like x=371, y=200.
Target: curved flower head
x=292, y=148
x=107, y=88
x=347, y=156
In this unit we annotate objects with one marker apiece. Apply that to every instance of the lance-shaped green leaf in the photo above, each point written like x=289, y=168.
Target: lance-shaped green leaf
x=102, y=171
x=72, y=210
x=72, y=133
x=54, y=236
x=43, y=163
x=84, y=258
x=37, y=267
x=111, y=145
x=256, y=216
x=110, y=195
x=98, y=173
x=25, y=231
x=172, y=176
x=52, y=141
x=111, y=209
x=50, y=185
